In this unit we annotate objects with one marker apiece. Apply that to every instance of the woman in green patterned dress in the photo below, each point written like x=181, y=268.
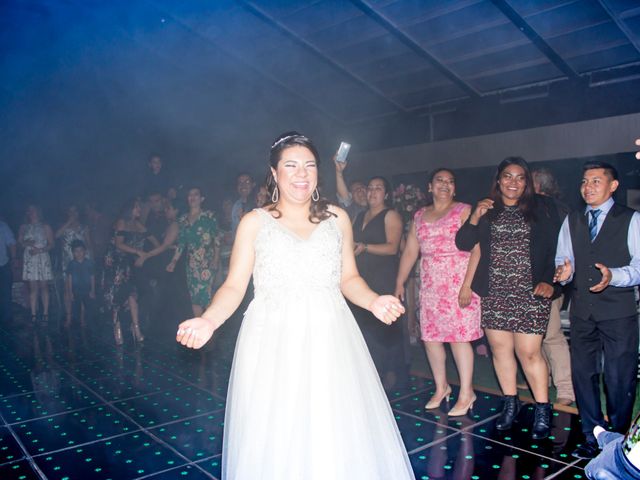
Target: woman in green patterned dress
x=198, y=232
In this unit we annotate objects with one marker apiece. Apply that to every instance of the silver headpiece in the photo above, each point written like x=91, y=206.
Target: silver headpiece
x=284, y=139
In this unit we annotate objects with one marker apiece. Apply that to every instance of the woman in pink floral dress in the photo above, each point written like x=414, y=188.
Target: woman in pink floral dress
x=449, y=310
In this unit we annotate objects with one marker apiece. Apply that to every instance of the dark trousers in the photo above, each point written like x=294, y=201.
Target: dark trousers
x=80, y=300
x=6, y=281
x=617, y=342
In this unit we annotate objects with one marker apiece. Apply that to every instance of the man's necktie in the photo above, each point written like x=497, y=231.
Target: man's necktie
x=593, y=224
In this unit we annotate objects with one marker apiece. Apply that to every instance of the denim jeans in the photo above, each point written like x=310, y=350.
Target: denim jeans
x=611, y=463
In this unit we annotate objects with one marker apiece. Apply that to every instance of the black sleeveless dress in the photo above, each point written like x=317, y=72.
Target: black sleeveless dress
x=385, y=342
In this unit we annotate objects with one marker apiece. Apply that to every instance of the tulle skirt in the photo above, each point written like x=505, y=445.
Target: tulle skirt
x=305, y=401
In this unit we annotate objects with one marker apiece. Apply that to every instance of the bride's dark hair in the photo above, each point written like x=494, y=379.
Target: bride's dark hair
x=319, y=209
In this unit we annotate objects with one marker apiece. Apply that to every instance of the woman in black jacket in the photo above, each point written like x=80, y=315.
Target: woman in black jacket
x=517, y=231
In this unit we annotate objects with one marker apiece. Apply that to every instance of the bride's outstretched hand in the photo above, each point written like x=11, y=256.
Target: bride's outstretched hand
x=194, y=333
x=387, y=308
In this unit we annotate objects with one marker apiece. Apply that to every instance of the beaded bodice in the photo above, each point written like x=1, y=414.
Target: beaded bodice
x=286, y=264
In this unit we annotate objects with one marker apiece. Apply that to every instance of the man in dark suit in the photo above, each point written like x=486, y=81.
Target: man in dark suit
x=599, y=255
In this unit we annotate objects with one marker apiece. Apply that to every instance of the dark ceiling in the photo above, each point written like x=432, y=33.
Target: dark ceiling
x=95, y=85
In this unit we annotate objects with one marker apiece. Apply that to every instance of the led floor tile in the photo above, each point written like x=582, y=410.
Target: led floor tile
x=565, y=434
x=486, y=406
x=69, y=429
x=466, y=456
x=212, y=465
x=22, y=366
x=121, y=458
x=412, y=386
x=18, y=471
x=571, y=473
x=132, y=384
x=196, y=438
x=418, y=433
x=102, y=368
x=10, y=451
x=155, y=409
x=86, y=409
x=30, y=382
x=188, y=472
x=70, y=357
x=65, y=397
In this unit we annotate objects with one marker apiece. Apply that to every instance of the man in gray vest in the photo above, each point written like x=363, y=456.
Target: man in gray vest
x=598, y=253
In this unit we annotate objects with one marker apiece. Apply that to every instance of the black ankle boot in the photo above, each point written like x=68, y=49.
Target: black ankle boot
x=510, y=410
x=541, y=421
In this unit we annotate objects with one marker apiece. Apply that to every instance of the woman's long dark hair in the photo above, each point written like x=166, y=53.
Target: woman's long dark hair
x=319, y=209
x=527, y=201
x=126, y=211
x=388, y=192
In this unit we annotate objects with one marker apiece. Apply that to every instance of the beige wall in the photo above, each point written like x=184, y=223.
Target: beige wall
x=570, y=140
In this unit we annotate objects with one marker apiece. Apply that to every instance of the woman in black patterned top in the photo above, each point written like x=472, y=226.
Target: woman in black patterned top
x=517, y=231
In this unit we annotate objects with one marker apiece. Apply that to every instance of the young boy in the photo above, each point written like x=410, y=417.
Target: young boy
x=80, y=282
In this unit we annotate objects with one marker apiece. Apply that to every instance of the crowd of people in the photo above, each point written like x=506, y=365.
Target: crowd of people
x=163, y=244
x=501, y=269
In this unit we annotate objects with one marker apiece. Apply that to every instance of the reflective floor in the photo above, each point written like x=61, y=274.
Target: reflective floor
x=74, y=406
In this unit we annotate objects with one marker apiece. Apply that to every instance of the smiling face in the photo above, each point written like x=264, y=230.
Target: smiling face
x=155, y=164
x=597, y=186
x=443, y=186
x=376, y=193
x=296, y=174
x=512, y=183
x=244, y=186
x=359, y=193
x=194, y=198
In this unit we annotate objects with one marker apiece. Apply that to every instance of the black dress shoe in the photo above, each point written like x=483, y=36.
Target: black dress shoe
x=587, y=450
x=510, y=409
x=541, y=421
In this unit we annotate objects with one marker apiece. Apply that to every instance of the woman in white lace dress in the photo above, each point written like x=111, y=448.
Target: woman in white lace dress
x=36, y=239
x=305, y=400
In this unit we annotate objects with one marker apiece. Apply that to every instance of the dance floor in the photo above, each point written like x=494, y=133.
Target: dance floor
x=73, y=406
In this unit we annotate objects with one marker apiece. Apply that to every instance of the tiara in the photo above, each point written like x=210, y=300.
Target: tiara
x=288, y=137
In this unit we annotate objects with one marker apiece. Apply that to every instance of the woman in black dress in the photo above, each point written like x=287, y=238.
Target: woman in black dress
x=517, y=231
x=377, y=232
x=118, y=282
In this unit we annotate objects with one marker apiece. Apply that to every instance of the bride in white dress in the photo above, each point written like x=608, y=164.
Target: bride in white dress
x=305, y=400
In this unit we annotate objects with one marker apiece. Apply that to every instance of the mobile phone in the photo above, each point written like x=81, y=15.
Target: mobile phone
x=343, y=151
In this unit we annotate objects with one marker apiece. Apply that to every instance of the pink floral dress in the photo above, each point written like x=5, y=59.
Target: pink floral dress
x=442, y=271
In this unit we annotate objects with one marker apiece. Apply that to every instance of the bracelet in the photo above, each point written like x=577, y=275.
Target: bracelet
x=366, y=247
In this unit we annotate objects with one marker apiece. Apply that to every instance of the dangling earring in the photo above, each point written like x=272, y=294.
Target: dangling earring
x=275, y=195
x=315, y=196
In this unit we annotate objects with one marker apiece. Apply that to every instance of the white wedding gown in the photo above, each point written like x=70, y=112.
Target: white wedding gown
x=305, y=401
